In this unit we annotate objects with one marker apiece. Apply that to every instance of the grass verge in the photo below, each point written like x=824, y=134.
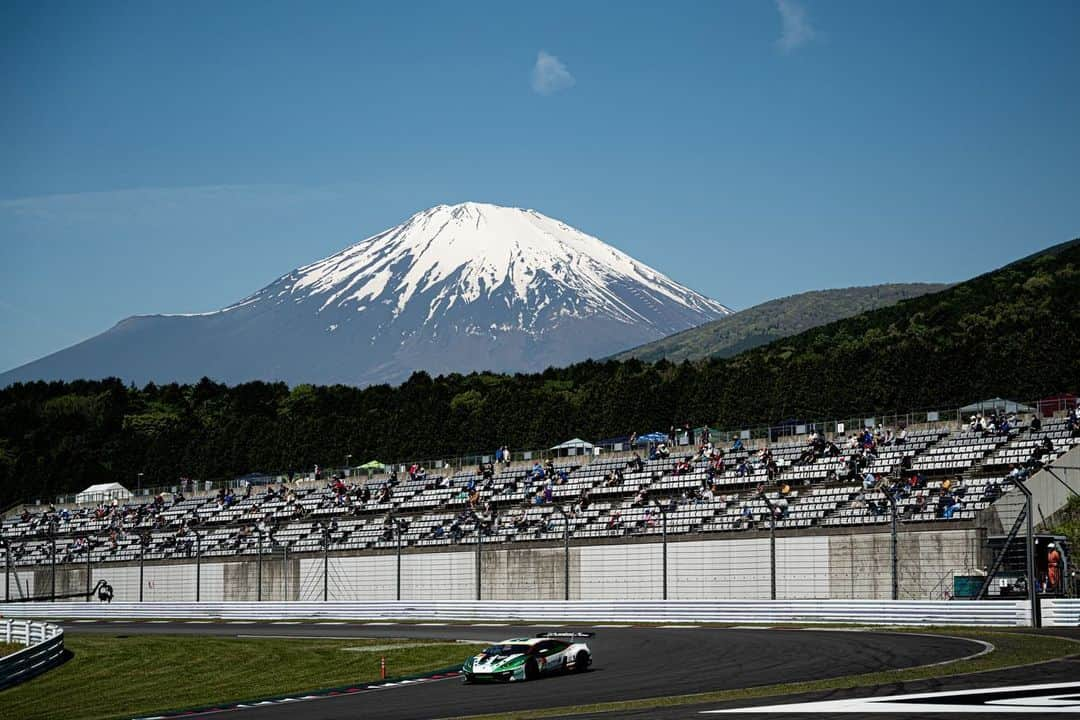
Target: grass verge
x=8, y=648
x=116, y=676
x=1010, y=649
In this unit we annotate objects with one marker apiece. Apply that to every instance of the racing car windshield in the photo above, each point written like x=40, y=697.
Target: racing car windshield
x=506, y=649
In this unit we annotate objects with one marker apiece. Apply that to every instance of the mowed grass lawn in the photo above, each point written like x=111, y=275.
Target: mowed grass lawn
x=111, y=676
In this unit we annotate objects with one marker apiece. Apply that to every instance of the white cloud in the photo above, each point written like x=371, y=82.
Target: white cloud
x=549, y=75
x=795, y=27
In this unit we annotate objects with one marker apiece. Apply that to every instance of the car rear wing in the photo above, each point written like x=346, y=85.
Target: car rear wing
x=565, y=634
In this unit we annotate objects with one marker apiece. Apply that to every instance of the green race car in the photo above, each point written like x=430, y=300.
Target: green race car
x=529, y=658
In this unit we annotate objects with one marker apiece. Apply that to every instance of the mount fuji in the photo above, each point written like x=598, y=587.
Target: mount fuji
x=455, y=288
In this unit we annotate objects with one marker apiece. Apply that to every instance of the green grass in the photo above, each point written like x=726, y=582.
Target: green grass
x=8, y=648
x=1010, y=649
x=112, y=676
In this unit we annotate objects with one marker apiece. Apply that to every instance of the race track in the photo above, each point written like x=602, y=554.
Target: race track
x=630, y=663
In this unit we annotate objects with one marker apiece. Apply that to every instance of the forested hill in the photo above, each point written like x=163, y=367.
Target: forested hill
x=773, y=320
x=1014, y=333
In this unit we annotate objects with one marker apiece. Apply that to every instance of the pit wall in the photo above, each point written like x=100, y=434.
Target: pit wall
x=840, y=566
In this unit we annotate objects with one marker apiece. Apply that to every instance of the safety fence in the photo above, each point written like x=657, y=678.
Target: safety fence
x=845, y=563
x=44, y=649
x=892, y=613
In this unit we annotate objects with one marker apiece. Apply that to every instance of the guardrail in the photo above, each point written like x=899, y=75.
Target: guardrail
x=862, y=612
x=1061, y=613
x=44, y=650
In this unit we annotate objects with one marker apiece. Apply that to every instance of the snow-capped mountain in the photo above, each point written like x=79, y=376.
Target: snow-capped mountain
x=454, y=288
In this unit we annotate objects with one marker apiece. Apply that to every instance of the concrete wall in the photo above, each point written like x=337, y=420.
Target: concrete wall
x=835, y=565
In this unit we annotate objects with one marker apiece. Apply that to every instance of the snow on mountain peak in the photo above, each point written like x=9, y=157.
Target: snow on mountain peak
x=468, y=255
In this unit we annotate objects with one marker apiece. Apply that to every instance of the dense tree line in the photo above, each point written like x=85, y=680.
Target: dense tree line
x=1013, y=333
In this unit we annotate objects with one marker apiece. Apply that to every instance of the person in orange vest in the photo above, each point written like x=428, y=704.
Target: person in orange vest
x=1053, y=569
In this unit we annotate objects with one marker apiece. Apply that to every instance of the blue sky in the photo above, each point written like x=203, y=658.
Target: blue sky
x=174, y=157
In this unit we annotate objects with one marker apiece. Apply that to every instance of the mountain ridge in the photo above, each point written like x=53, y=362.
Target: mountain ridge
x=453, y=288
x=775, y=319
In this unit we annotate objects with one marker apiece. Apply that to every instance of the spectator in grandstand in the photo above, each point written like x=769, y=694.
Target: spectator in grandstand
x=1072, y=423
x=583, y=501
x=614, y=519
x=682, y=467
x=809, y=453
x=549, y=468
x=1036, y=424
x=869, y=481
x=901, y=437
x=1035, y=460
x=947, y=505
x=385, y=494
x=537, y=471
x=636, y=464
x=736, y=444
x=743, y=468
x=642, y=497
x=992, y=491
x=662, y=452
x=920, y=503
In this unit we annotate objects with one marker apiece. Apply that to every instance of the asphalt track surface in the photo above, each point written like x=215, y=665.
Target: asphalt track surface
x=1066, y=670
x=629, y=663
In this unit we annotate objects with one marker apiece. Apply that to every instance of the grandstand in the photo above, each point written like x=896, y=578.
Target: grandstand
x=941, y=477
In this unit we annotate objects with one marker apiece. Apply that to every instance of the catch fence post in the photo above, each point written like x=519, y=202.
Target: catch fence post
x=258, y=568
x=198, y=567
x=52, y=563
x=89, y=570
x=326, y=565
x=397, y=534
x=7, y=571
x=772, y=544
x=142, y=559
x=1029, y=542
x=479, y=542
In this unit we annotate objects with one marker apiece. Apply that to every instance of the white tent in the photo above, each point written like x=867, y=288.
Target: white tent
x=577, y=446
x=576, y=443
x=103, y=493
x=999, y=404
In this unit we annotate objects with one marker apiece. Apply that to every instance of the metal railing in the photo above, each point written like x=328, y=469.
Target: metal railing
x=44, y=650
